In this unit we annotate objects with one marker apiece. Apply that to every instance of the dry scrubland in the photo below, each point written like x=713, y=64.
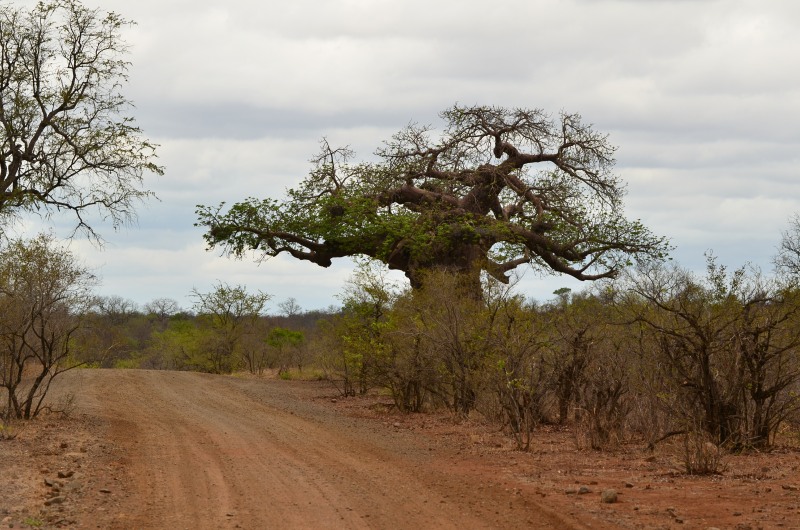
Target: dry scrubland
x=661, y=398
x=658, y=400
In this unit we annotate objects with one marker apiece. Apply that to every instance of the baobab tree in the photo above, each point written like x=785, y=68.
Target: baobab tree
x=497, y=189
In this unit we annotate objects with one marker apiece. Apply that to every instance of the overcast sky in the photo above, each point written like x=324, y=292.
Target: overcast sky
x=701, y=97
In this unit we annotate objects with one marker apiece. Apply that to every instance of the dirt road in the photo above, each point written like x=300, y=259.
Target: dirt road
x=173, y=450
x=199, y=451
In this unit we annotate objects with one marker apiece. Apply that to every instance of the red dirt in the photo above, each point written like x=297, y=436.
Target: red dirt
x=148, y=449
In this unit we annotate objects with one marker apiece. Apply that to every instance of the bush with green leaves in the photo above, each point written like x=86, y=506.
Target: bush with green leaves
x=228, y=313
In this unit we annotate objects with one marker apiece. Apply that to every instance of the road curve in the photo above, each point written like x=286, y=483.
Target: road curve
x=203, y=451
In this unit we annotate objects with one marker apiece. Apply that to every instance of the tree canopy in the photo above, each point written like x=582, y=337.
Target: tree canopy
x=496, y=189
x=65, y=141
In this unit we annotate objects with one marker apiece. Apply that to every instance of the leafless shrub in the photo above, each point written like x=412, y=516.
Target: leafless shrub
x=44, y=297
x=700, y=456
x=722, y=349
x=64, y=405
x=600, y=418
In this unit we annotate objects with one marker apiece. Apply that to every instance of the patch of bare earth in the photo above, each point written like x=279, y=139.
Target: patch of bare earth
x=146, y=449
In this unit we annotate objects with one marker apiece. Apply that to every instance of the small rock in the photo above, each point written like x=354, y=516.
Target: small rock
x=396, y=424
x=570, y=491
x=50, y=483
x=65, y=474
x=105, y=490
x=608, y=496
x=789, y=487
x=64, y=445
x=54, y=500
x=628, y=484
x=583, y=490
x=334, y=400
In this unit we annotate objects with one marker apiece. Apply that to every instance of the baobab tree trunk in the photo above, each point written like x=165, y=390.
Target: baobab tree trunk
x=468, y=274
x=469, y=281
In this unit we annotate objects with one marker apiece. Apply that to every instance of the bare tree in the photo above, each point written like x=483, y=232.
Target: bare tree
x=66, y=143
x=44, y=297
x=116, y=309
x=290, y=307
x=787, y=260
x=162, y=309
x=726, y=348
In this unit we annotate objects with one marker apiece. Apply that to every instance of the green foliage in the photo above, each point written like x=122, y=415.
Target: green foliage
x=454, y=330
x=339, y=366
x=127, y=364
x=33, y=522
x=517, y=381
x=399, y=362
x=288, y=344
x=186, y=345
x=118, y=330
x=660, y=353
x=7, y=431
x=355, y=338
x=294, y=374
x=282, y=338
x=229, y=313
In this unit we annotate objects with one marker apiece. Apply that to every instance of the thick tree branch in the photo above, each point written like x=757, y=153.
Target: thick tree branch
x=440, y=203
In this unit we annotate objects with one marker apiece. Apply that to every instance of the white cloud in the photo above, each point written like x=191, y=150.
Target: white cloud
x=701, y=97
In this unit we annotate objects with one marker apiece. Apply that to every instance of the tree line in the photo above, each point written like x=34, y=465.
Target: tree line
x=226, y=330
x=658, y=352
x=52, y=321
